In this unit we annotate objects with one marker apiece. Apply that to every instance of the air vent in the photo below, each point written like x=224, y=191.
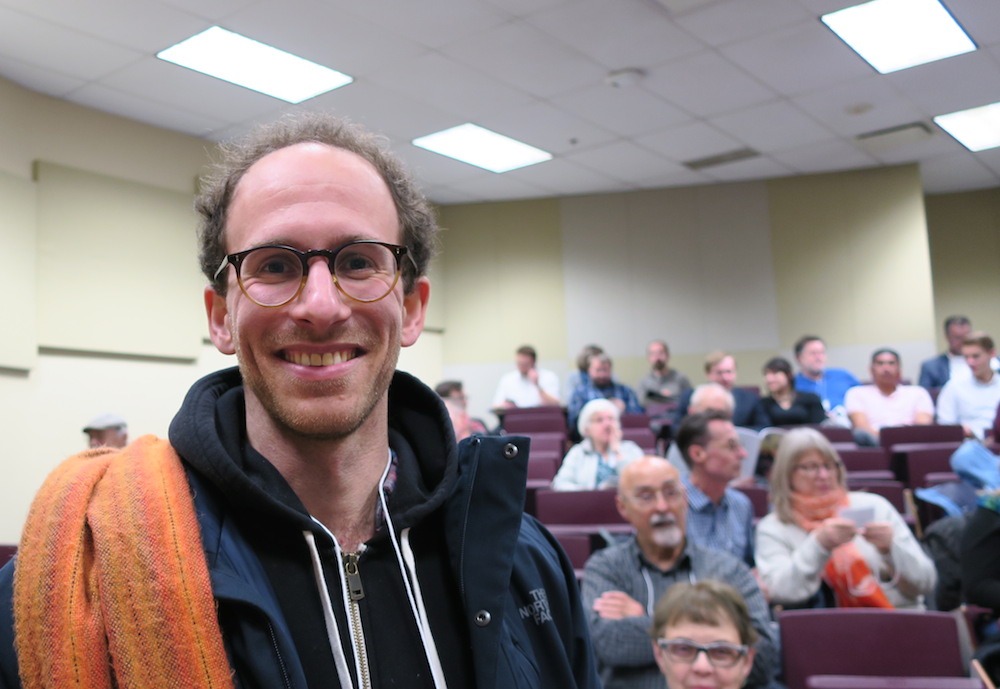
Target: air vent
x=721, y=159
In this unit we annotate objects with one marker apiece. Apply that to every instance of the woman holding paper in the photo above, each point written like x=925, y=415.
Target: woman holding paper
x=818, y=532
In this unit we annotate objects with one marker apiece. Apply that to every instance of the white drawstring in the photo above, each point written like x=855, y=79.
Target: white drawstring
x=332, y=630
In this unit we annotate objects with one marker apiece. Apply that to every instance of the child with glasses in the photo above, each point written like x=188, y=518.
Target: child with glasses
x=703, y=636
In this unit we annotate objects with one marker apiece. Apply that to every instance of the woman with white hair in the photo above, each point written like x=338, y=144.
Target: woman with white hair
x=595, y=462
x=819, y=532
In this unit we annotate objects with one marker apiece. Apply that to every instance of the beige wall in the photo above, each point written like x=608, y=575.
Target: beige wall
x=964, y=233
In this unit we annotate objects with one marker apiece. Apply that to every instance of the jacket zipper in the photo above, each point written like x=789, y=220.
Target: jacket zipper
x=355, y=593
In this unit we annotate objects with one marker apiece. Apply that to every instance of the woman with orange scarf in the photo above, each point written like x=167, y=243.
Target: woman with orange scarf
x=818, y=532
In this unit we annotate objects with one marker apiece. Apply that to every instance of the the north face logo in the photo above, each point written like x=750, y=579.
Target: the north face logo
x=539, y=609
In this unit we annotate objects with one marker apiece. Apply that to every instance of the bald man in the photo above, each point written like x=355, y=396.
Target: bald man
x=617, y=580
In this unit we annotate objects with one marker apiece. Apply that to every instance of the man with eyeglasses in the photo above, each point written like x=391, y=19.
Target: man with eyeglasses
x=622, y=582
x=311, y=521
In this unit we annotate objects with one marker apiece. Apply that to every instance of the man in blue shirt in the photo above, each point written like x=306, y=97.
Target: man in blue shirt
x=831, y=384
x=719, y=517
x=601, y=385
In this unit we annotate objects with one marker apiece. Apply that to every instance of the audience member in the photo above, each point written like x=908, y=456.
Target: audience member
x=972, y=401
x=580, y=376
x=718, y=516
x=938, y=370
x=705, y=397
x=526, y=385
x=830, y=384
x=720, y=367
x=597, y=460
x=601, y=385
x=703, y=616
x=662, y=383
x=107, y=430
x=980, y=553
x=784, y=405
x=886, y=402
x=453, y=394
x=622, y=582
x=818, y=532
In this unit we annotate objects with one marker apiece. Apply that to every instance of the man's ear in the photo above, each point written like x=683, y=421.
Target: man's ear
x=696, y=452
x=415, y=311
x=218, y=321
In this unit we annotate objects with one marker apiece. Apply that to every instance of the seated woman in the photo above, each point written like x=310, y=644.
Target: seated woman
x=595, y=462
x=857, y=543
x=707, y=616
x=784, y=406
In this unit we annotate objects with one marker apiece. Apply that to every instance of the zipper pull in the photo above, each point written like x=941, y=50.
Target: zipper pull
x=354, y=587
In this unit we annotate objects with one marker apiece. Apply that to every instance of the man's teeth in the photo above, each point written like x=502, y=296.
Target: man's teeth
x=325, y=359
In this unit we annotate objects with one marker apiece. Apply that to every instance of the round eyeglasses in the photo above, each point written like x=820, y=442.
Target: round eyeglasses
x=719, y=654
x=274, y=275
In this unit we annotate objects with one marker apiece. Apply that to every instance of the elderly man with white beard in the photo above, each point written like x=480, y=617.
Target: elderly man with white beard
x=622, y=582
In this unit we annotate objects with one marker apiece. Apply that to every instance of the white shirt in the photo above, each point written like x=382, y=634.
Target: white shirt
x=897, y=409
x=970, y=403
x=513, y=387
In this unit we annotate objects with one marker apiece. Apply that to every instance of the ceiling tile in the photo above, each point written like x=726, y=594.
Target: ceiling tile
x=858, y=107
x=797, y=59
x=162, y=82
x=547, y=127
x=567, y=178
x=629, y=110
x=827, y=156
x=683, y=83
x=937, y=144
x=58, y=49
x=101, y=98
x=124, y=23
x=959, y=82
x=501, y=187
x=333, y=36
x=980, y=19
x=434, y=24
x=214, y=10
x=624, y=160
x=38, y=78
x=956, y=172
x=726, y=22
x=772, y=127
x=449, y=84
x=689, y=142
x=523, y=56
x=617, y=34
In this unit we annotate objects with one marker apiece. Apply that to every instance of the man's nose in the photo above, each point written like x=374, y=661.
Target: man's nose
x=321, y=298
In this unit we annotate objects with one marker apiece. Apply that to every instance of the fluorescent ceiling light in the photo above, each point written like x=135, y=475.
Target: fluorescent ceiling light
x=977, y=128
x=253, y=65
x=483, y=148
x=896, y=34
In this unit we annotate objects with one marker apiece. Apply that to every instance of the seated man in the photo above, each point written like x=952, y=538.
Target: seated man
x=938, y=370
x=720, y=367
x=662, y=383
x=972, y=401
x=705, y=397
x=719, y=517
x=107, y=430
x=885, y=402
x=527, y=386
x=457, y=404
x=601, y=384
x=831, y=384
x=622, y=582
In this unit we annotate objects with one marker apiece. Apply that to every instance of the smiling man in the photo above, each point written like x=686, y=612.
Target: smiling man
x=621, y=583
x=311, y=521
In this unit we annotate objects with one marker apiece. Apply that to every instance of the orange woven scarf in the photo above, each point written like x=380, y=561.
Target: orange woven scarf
x=846, y=571
x=111, y=587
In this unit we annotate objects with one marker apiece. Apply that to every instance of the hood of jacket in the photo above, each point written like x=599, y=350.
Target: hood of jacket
x=209, y=433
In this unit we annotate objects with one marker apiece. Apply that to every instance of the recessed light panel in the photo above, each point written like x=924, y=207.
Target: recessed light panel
x=896, y=34
x=483, y=148
x=254, y=65
x=977, y=128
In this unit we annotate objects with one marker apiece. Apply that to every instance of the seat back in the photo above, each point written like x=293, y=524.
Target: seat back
x=643, y=437
x=865, y=459
x=536, y=422
x=837, y=434
x=577, y=507
x=919, y=463
x=634, y=421
x=758, y=498
x=935, y=433
x=6, y=553
x=870, y=641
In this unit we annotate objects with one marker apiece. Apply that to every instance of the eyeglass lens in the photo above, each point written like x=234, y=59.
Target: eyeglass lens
x=272, y=275
x=719, y=654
